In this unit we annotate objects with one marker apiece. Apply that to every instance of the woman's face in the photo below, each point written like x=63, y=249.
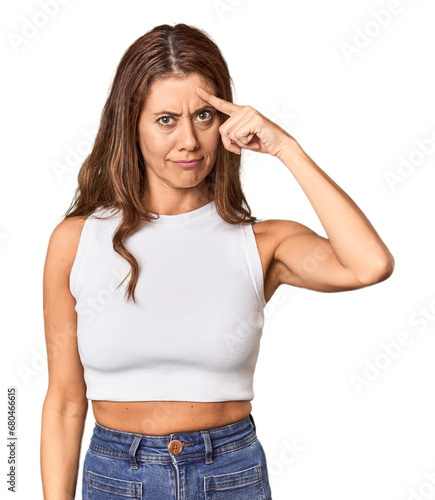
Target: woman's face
x=177, y=125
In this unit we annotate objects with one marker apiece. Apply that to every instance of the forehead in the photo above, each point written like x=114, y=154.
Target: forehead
x=176, y=92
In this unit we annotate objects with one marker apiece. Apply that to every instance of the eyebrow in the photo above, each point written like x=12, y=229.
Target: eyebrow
x=171, y=113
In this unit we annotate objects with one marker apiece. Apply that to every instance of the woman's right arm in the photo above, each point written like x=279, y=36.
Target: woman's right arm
x=65, y=405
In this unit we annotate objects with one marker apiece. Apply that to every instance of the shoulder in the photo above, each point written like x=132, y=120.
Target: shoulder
x=275, y=231
x=68, y=231
x=63, y=243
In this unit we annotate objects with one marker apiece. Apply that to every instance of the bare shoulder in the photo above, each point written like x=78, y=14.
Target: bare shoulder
x=274, y=231
x=269, y=235
x=64, y=241
x=61, y=253
x=69, y=228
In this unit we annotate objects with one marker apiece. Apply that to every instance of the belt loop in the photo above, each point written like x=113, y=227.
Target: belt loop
x=253, y=423
x=133, y=449
x=208, y=447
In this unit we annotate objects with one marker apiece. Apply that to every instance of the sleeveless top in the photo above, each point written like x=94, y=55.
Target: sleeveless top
x=194, y=332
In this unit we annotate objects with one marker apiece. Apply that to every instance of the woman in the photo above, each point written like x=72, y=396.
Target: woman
x=167, y=357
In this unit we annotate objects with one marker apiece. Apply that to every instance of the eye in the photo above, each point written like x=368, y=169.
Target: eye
x=210, y=115
x=164, y=117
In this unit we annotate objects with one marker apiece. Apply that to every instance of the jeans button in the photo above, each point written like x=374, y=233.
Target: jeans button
x=175, y=447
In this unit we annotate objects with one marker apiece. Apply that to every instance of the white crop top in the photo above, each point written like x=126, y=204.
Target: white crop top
x=194, y=332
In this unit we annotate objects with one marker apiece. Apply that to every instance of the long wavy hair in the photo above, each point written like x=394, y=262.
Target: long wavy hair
x=113, y=176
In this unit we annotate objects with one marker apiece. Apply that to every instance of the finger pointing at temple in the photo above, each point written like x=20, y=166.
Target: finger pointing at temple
x=220, y=104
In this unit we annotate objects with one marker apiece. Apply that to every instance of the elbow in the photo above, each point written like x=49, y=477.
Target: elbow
x=378, y=272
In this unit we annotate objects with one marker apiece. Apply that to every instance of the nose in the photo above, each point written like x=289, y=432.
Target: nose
x=187, y=138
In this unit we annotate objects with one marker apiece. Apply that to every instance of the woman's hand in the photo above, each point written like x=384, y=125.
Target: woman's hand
x=247, y=128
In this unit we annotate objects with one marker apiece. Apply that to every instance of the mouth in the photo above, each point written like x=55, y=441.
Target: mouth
x=191, y=163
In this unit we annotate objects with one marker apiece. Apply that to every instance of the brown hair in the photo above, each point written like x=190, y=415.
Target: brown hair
x=113, y=176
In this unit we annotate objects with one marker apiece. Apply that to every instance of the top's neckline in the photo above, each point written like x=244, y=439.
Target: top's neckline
x=186, y=217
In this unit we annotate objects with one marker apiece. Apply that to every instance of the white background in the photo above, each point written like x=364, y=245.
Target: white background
x=357, y=104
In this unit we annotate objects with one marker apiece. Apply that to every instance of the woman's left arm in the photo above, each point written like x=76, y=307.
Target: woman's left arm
x=353, y=255
x=354, y=242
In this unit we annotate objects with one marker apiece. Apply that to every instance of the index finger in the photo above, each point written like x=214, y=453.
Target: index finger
x=220, y=104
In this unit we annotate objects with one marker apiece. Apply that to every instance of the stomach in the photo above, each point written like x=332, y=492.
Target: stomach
x=160, y=418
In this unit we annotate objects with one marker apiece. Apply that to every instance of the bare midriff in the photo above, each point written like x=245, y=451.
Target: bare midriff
x=160, y=418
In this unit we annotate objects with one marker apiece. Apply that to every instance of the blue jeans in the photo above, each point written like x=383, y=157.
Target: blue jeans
x=223, y=463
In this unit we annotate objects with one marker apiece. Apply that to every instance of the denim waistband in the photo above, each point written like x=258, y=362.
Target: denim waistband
x=193, y=445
